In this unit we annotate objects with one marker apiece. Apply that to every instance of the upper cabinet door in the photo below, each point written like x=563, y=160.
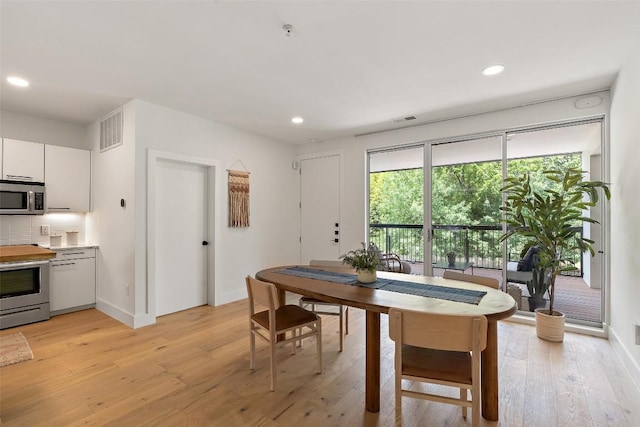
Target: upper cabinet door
x=67, y=179
x=22, y=160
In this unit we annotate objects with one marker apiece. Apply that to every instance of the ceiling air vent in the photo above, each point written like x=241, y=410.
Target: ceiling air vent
x=111, y=131
x=404, y=119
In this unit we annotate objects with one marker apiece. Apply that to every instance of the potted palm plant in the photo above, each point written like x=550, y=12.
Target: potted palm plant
x=364, y=260
x=546, y=217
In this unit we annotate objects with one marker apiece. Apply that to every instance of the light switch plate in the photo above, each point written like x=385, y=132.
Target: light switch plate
x=44, y=230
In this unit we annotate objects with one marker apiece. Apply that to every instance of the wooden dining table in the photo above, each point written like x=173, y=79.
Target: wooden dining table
x=495, y=305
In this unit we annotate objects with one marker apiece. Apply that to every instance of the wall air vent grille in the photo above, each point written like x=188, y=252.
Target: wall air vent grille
x=111, y=131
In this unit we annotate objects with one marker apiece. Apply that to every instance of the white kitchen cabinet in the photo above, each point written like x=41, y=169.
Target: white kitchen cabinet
x=67, y=176
x=22, y=160
x=72, y=280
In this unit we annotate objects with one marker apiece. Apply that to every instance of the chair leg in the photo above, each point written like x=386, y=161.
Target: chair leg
x=463, y=397
x=398, y=403
x=319, y=344
x=475, y=408
x=346, y=322
x=272, y=363
x=252, y=346
x=293, y=343
x=340, y=316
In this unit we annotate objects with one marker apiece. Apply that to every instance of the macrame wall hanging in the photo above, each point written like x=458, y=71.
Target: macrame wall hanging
x=238, y=197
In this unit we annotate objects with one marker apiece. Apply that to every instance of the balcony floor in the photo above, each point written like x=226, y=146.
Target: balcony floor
x=573, y=296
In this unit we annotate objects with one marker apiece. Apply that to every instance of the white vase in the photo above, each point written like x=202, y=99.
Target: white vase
x=366, y=276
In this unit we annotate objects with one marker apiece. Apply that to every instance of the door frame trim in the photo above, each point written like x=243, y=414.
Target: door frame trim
x=212, y=221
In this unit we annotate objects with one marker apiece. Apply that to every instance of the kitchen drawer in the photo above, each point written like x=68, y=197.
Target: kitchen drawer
x=75, y=253
x=72, y=280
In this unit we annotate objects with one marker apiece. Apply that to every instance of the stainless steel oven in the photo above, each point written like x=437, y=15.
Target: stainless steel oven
x=24, y=292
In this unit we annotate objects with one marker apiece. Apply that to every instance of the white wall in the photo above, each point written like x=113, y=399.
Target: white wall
x=36, y=129
x=625, y=205
x=353, y=211
x=111, y=226
x=272, y=238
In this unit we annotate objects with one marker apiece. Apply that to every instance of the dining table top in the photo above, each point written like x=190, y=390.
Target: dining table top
x=495, y=304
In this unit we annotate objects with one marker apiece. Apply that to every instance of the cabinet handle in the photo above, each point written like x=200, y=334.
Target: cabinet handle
x=60, y=265
x=60, y=209
x=72, y=253
x=20, y=177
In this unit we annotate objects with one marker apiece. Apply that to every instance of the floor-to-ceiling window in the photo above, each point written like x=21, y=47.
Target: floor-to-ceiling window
x=466, y=177
x=462, y=215
x=579, y=293
x=396, y=208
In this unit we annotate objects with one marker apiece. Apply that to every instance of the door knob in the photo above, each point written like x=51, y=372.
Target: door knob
x=205, y=243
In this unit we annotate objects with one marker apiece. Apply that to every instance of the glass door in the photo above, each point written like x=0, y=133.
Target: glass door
x=465, y=218
x=396, y=208
x=578, y=293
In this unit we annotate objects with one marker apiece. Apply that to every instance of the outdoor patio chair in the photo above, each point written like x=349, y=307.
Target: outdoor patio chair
x=392, y=262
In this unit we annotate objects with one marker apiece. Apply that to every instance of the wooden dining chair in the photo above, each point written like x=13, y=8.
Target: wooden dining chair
x=342, y=311
x=480, y=280
x=279, y=320
x=438, y=349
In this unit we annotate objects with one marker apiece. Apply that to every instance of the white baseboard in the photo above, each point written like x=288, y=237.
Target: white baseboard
x=115, y=312
x=132, y=321
x=625, y=356
x=224, y=298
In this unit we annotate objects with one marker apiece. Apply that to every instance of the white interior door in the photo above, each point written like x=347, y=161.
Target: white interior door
x=181, y=213
x=320, y=208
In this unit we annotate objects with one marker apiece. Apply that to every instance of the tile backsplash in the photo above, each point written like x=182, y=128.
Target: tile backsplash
x=25, y=229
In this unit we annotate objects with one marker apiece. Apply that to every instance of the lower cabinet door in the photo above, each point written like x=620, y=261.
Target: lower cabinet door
x=72, y=283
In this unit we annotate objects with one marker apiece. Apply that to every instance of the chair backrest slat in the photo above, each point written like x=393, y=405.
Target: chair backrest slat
x=479, y=280
x=438, y=331
x=263, y=293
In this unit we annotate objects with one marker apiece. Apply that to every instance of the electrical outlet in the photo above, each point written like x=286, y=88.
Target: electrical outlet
x=126, y=289
x=44, y=230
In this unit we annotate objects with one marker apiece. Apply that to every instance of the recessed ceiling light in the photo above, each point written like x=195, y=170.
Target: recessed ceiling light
x=493, y=70
x=297, y=120
x=17, y=81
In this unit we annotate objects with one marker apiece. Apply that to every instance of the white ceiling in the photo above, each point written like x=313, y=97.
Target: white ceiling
x=348, y=68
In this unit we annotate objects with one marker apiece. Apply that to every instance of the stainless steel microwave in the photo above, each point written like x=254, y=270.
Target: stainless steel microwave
x=22, y=198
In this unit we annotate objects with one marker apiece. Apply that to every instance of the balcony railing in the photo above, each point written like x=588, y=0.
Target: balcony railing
x=479, y=244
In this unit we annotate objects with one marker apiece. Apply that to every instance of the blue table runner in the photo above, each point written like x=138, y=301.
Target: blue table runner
x=421, y=289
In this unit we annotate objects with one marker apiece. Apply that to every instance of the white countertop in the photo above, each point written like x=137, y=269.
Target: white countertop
x=62, y=247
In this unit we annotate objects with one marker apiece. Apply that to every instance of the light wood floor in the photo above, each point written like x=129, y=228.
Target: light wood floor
x=191, y=369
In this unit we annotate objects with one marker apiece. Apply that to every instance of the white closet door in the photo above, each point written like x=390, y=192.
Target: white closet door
x=181, y=213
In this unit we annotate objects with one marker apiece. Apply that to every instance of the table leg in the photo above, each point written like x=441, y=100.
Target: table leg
x=489, y=381
x=372, y=390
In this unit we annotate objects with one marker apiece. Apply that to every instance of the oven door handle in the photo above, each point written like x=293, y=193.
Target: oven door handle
x=21, y=265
